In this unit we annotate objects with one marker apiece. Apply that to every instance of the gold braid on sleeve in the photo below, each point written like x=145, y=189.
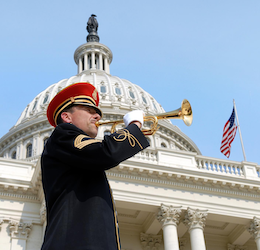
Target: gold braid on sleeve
x=81, y=143
x=125, y=134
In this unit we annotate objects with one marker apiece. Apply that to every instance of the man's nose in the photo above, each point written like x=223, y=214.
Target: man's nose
x=97, y=116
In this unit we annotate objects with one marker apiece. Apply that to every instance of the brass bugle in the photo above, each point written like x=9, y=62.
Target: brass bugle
x=184, y=113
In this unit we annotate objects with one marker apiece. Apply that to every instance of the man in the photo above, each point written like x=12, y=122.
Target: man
x=80, y=209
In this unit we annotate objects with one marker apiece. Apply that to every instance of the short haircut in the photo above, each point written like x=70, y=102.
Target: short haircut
x=68, y=109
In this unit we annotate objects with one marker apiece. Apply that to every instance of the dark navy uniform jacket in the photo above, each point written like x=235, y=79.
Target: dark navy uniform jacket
x=80, y=213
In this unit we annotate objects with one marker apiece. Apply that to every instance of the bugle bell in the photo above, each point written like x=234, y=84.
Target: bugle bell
x=184, y=113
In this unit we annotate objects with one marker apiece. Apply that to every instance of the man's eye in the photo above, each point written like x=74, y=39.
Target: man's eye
x=91, y=111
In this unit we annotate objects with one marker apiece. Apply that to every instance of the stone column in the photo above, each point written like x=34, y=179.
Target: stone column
x=106, y=66
x=254, y=229
x=80, y=65
x=92, y=60
x=86, y=67
x=100, y=61
x=37, y=148
x=150, y=242
x=169, y=217
x=19, y=234
x=195, y=220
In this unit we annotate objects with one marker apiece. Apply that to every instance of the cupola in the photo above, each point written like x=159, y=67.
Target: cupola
x=93, y=55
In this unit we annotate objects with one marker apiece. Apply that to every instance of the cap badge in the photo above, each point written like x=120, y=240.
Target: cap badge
x=94, y=94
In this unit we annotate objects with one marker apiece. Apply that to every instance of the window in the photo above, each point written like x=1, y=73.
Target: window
x=154, y=106
x=29, y=151
x=118, y=91
x=46, y=98
x=144, y=100
x=35, y=104
x=25, y=113
x=103, y=89
x=131, y=93
x=13, y=155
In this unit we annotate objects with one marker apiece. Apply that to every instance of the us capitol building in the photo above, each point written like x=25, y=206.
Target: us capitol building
x=168, y=197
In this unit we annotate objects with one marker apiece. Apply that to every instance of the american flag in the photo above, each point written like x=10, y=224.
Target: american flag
x=229, y=133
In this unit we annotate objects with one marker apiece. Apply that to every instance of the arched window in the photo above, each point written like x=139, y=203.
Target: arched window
x=103, y=89
x=13, y=155
x=154, y=106
x=35, y=104
x=131, y=93
x=118, y=91
x=46, y=98
x=25, y=113
x=144, y=99
x=29, y=151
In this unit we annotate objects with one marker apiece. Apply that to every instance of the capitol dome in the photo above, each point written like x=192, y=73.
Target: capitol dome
x=25, y=140
x=115, y=93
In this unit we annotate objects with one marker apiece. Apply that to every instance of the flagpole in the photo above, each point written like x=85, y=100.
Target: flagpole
x=239, y=131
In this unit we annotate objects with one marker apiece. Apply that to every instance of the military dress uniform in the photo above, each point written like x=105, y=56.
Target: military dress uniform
x=79, y=203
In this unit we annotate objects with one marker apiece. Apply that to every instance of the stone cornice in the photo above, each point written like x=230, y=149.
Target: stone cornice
x=17, y=190
x=24, y=197
x=167, y=179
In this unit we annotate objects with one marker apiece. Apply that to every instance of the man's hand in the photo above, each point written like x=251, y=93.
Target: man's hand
x=136, y=117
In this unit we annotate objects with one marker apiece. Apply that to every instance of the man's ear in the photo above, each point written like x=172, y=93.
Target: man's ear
x=66, y=117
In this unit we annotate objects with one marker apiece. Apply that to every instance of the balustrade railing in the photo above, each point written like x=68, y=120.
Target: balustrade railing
x=219, y=166
x=205, y=164
x=147, y=155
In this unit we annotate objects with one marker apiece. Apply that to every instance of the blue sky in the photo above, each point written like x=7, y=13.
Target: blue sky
x=205, y=51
